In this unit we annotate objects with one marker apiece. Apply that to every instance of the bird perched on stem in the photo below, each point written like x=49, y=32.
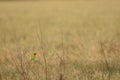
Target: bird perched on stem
x=33, y=56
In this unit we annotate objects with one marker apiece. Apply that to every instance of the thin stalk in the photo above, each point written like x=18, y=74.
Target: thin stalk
x=1, y=78
x=63, y=58
x=40, y=38
x=105, y=59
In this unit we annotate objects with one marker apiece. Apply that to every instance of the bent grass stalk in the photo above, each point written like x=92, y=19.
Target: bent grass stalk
x=105, y=59
x=41, y=42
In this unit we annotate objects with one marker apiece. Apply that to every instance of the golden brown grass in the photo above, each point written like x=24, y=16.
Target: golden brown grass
x=74, y=40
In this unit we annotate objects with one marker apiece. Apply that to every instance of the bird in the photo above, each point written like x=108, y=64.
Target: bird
x=33, y=56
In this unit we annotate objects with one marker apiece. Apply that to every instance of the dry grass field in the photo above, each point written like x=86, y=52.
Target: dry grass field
x=73, y=40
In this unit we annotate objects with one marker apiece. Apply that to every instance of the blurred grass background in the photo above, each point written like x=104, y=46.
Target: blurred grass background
x=82, y=23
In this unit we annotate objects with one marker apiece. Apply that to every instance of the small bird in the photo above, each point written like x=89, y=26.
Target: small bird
x=33, y=56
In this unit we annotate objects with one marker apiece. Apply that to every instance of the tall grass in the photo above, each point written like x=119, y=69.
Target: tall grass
x=65, y=37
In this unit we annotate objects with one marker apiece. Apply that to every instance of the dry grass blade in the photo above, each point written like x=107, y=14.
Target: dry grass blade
x=105, y=59
x=41, y=42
